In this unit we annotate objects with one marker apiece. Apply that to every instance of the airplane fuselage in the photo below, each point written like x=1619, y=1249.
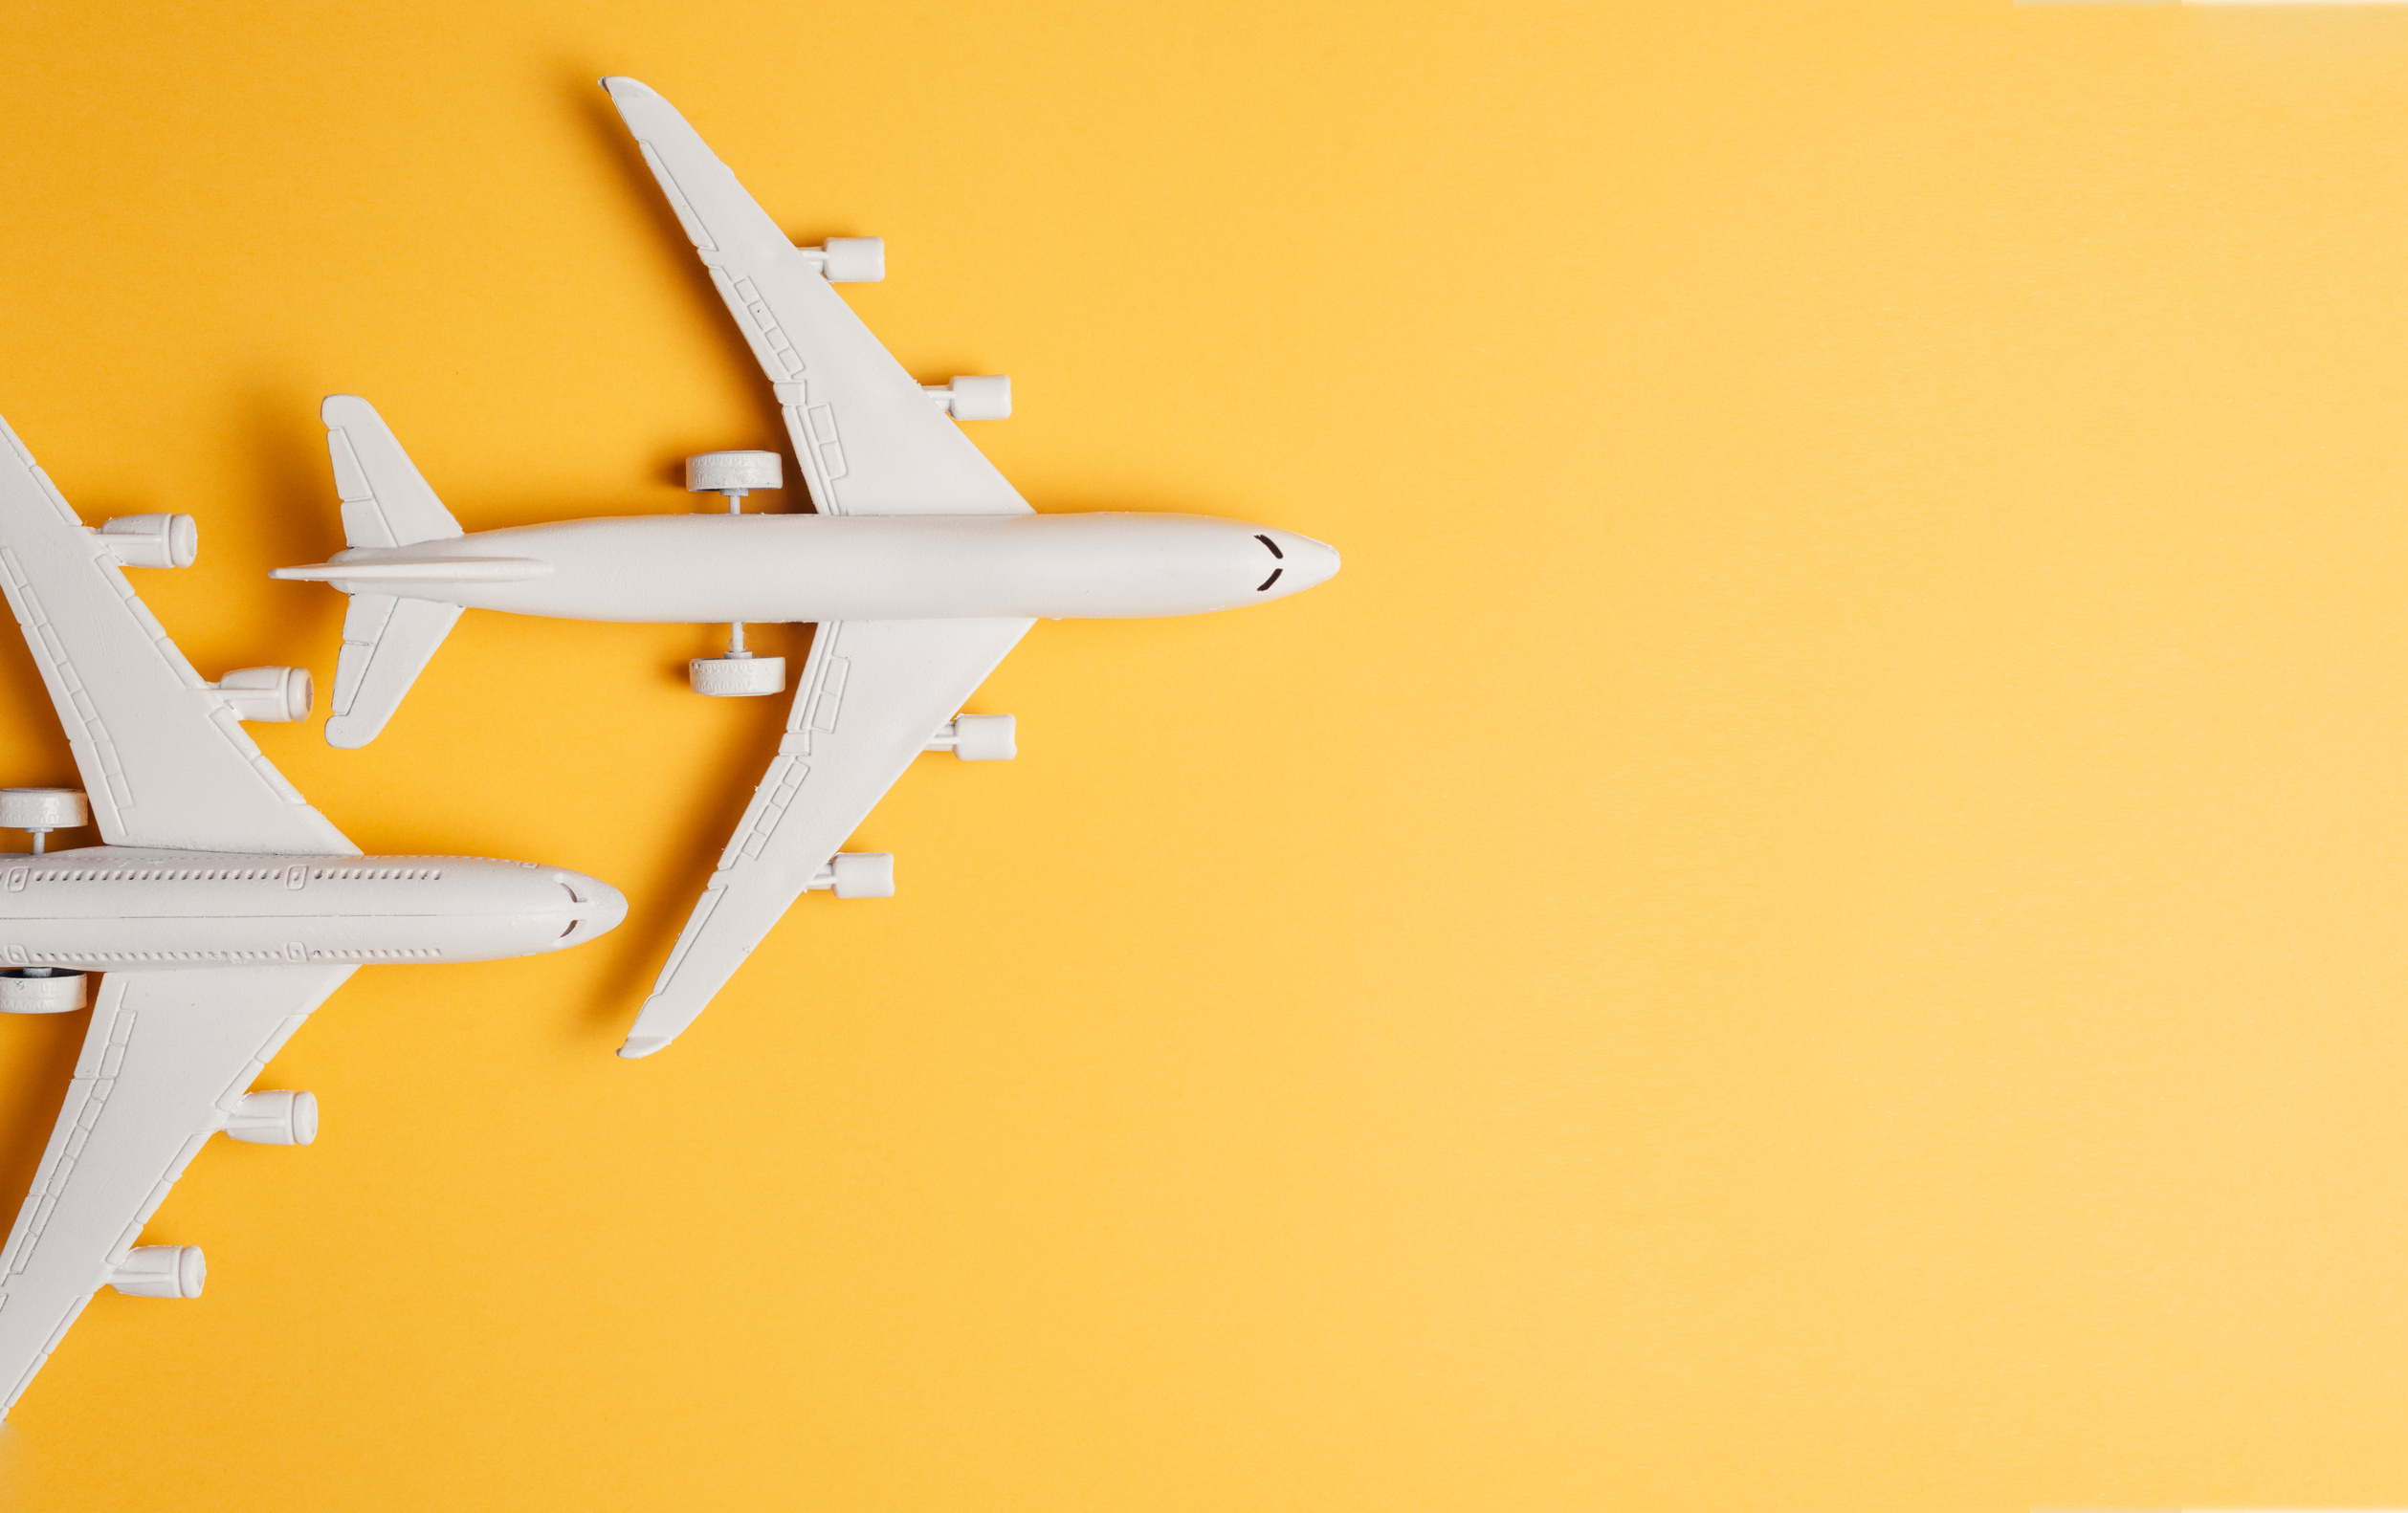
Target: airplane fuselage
x=129, y=909
x=689, y=568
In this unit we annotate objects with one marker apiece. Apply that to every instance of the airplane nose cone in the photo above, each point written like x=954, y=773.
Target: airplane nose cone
x=1309, y=562
x=608, y=910
x=611, y=910
x=600, y=907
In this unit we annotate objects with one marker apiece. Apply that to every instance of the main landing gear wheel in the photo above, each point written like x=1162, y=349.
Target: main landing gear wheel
x=736, y=676
x=42, y=810
x=734, y=475
x=54, y=991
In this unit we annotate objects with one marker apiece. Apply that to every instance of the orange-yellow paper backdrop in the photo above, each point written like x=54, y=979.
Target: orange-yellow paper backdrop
x=1817, y=920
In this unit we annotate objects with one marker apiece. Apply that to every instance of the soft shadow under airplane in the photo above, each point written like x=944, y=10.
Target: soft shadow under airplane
x=923, y=567
x=221, y=909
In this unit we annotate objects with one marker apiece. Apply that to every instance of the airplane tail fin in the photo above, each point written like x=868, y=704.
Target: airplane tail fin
x=387, y=640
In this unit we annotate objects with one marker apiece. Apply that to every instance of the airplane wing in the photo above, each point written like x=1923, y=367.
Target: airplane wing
x=869, y=441
x=164, y=759
x=166, y=1058
x=867, y=437
x=873, y=694
x=387, y=642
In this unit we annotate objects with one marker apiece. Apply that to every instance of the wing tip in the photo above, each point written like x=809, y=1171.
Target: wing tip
x=346, y=733
x=639, y=1046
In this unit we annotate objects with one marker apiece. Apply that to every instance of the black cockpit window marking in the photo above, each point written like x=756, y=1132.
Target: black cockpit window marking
x=1273, y=545
x=1268, y=581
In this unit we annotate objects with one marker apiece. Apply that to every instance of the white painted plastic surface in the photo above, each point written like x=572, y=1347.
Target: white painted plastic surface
x=271, y=695
x=385, y=501
x=734, y=472
x=131, y=912
x=387, y=642
x=274, y=1118
x=153, y=540
x=979, y=738
x=737, y=677
x=220, y=912
x=984, y=397
x=858, y=874
x=161, y=1271
x=53, y=993
x=854, y=259
x=986, y=737
x=782, y=569
x=43, y=809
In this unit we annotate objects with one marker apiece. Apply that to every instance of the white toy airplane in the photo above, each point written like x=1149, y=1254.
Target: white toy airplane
x=923, y=567
x=222, y=908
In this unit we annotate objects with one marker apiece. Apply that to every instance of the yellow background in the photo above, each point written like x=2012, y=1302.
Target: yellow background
x=1816, y=920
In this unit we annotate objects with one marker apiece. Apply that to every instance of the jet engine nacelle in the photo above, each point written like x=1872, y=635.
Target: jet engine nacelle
x=965, y=398
x=858, y=874
x=848, y=259
x=152, y=540
x=274, y=1118
x=978, y=738
x=270, y=695
x=161, y=1271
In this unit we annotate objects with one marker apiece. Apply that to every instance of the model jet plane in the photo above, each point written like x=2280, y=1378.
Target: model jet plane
x=923, y=567
x=221, y=907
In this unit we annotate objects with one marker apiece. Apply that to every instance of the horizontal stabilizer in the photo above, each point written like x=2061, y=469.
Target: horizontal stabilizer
x=384, y=501
x=385, y=643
